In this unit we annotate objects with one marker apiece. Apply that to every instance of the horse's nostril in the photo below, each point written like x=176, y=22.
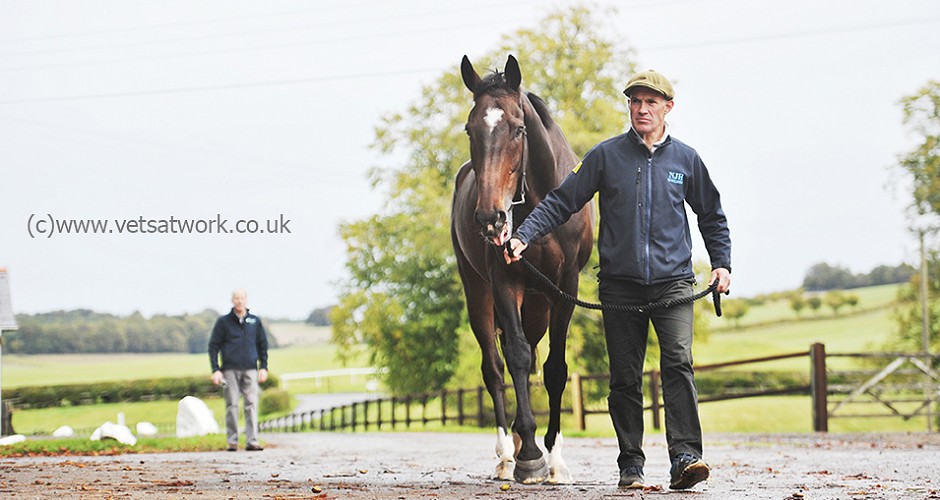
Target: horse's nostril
x=481, y=220
x=485, y=219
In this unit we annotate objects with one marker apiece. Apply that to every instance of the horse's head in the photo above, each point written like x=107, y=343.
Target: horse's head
x=496, y=127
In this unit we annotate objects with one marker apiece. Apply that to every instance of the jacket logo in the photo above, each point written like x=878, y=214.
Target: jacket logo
x=676, y=177
x=250, y=321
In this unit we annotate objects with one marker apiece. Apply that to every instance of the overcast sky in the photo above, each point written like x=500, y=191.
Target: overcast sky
x=240, y=110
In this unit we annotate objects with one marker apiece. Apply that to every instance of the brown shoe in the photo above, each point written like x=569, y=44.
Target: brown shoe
x=253, y=447
x=232, y=447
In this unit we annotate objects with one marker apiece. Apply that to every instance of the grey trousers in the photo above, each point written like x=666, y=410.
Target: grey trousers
x=242, y=383
x=626, y=349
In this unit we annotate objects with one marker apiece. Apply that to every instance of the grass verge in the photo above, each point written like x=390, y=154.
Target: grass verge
x=86, y=447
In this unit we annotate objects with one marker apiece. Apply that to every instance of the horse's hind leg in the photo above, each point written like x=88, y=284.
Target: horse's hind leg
x=556, y=378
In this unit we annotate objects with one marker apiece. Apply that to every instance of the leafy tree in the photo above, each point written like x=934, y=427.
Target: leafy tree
x=883, y=275
x=797, y=303
x=814, y=303
x=907, y=314
x=835, y=300
x=84, y=331
x=922, y=166
x=320, y=316
x=403, y=297
x=851, y=300
x=734, y=310
x=822, y=276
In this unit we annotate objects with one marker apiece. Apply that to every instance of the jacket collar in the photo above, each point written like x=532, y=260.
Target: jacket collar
x=635, y=137
x=235, y=316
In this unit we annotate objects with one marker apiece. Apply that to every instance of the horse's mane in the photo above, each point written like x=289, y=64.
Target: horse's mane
x=495, y=84
x=542, y=109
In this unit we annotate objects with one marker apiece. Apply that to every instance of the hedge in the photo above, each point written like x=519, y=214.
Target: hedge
x=129, y=391
x=274, y=401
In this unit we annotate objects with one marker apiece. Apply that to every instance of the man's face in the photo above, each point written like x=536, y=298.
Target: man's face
x=240, y=301
x=648, y=110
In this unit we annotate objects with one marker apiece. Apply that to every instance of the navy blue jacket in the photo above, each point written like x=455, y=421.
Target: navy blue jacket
x=644, y=231
x=243, y=343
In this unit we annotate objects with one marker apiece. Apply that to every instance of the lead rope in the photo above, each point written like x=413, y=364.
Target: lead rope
x=662, y=304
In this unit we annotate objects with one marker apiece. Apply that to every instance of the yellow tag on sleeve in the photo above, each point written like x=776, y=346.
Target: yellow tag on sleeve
x=577, y=167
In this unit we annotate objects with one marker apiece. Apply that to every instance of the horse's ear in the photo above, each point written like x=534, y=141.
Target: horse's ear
x=513, y=73
x=470, y=76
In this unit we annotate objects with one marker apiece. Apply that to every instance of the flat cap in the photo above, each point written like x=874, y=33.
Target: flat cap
x=650, y=80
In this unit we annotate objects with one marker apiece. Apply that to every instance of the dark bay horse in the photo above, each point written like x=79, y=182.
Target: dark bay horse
x=517, y=155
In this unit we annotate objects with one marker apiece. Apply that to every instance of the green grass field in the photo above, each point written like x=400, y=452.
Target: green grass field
x=869, y=298
x=773, y=330
x=53, y=369
x=87, y=418
x=856, y=333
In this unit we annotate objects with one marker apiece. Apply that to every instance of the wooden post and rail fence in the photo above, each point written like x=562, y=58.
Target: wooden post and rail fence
x=908, y=386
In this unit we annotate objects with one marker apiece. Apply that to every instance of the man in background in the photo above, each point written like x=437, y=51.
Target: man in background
x=240, y=338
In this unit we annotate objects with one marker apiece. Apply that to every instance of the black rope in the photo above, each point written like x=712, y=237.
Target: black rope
x=662, y=304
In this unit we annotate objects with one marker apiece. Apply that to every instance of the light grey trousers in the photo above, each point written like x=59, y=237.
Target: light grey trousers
x=242, y=383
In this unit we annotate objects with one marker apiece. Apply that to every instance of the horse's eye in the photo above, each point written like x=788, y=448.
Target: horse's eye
x=520, y=131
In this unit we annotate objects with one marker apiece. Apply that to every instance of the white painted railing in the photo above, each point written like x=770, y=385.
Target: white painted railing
x=319, y=375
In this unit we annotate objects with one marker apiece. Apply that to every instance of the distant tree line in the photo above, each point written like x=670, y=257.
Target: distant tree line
x=85, y=331
x=823, y=276
x=320, y=316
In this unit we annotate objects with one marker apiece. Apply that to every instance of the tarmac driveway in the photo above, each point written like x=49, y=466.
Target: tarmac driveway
x=441, y=465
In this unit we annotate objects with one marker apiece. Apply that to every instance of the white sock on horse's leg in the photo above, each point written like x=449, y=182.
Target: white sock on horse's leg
x=505, y=451
x=558, y=472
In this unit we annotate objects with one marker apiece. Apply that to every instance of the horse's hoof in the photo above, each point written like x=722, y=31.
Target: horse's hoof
x=531, y=471
x=559, y=476
x=558, y=472
x=504, y=471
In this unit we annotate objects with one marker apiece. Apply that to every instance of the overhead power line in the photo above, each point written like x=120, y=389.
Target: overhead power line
x=208, y=88
x=233, y=86
x=322, y=42
x=794, y=34
x=193, y=22
x=260, y=31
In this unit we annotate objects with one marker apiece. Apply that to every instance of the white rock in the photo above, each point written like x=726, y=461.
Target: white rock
x=13, y=439
x=146, y=429
x=64, y=432
x=114, y=431
x=194, y=418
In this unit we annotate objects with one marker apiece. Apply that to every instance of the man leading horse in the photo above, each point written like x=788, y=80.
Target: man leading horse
x=645, y=178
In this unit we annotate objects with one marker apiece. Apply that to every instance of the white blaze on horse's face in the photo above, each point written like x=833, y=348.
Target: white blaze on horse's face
x=492, y=118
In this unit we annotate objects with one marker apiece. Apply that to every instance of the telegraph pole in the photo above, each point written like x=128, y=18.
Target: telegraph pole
x=925, y=328
x=924, y=321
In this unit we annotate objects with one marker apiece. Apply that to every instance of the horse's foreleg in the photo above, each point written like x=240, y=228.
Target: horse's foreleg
x=492, y=369
x=556, y=374
x=493, y=379
x=530, y=462
x=556, y=378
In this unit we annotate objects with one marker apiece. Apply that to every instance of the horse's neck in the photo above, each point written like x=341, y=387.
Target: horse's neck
x=546, y=154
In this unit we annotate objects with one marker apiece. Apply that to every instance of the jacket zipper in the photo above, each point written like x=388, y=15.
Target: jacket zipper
x=649, y=214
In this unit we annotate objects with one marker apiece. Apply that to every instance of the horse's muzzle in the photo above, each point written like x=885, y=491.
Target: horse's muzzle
x=496, y=227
